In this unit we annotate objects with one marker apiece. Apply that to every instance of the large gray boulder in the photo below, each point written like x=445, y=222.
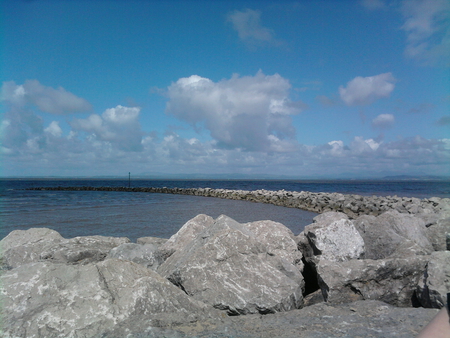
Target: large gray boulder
x=333, y=237
x=146, y=255
x=393, y=234
x=226, y=266
x=391, y=280
x=37, y=244
x=437, y=233
x=82, y=250
x=45, y=299
x=279, y=240
x=186, y=234
x=433, y=287
x=25, y=246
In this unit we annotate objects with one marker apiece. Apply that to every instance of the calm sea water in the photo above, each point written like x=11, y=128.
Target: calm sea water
x=134, y=215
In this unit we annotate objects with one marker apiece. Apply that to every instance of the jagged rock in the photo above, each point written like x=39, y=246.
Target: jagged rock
x=151, y=240
x=435, y=283
x=391, y=280
x=279, y=239
x=334, y=239
x=227, y=267
x=437, y=234
x=25, y=246
x=386, y=234
x=82, y=250
x=45, y=299
x=186, y=234
x=146, y=255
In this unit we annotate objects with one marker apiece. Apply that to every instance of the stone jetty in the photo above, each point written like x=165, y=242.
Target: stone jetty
x=350, y=204
x=380, y=273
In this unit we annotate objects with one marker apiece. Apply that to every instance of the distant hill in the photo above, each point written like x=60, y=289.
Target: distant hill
x=416, y=178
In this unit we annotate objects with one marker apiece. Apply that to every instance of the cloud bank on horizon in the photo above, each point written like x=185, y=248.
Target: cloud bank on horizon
x=347, y=110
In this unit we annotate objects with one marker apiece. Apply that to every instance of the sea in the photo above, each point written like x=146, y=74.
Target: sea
x=139, y=214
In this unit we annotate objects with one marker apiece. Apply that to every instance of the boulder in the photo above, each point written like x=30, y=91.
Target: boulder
x=186, y=234
x=146, y=255
x=82, y=250
x=385, y=234
x=226, y=266
x=45, y=299
x=279, y=240
x=437, y=234
x=391, y=280
x=435, y=283
x=25, y=246
x=334, y=239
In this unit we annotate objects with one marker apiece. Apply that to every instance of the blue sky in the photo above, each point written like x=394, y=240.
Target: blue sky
x=306, y=89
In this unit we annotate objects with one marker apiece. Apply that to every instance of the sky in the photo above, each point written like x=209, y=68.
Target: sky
x=300, y=89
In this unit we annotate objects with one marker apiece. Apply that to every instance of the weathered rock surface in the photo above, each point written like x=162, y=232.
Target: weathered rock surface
x=25, y=246
x=186, y=234
x=147, y=255
x=392, y=280
x=226, y=266
x=334, y=240
x=434, y=285
x=390, y=233
x=37, y=244
x=45, y=299
x=279, y=240
x=82, y=250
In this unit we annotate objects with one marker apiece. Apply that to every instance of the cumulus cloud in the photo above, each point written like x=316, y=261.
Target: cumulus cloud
x=252, y=113
x=366, y=90
x=383, y=121
x=248, y=25
x=119, y=126
x=47, y=99
x=428, y=30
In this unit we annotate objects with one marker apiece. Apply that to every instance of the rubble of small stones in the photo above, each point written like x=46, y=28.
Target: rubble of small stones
x=376, y=274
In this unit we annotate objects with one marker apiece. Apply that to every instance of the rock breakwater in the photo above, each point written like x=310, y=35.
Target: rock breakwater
x=350, y=204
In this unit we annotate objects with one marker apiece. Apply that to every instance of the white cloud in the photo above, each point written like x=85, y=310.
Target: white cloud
x=428, y=30
x=250, y=30
x=365, y=90
x=54, y=129
x=251, y=112
x=47, y=99
x=383, y=121
x=119, y=126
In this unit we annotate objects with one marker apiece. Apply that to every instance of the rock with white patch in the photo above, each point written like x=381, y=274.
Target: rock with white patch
x=147, y=255
x=25, y=246
x=227, y=267
x=333, y=238
x=48, y=300
x=391, y=280
x=433, y=286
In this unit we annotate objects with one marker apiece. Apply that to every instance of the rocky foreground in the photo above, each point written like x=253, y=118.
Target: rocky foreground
x=345, y=275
